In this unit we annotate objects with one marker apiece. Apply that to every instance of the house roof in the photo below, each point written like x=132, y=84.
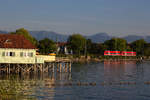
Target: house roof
x=61, y=43
x=15, y=41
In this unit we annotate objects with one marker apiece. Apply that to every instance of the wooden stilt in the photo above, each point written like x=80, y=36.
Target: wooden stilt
x=42, y=67
x=8, y=68
x=33, y=68
x=70, y=67
x=63, y=67
x=60, y=67
x=66, y=67
x=53, y=67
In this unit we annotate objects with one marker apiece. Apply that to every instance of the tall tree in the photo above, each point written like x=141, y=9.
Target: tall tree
x=139, y=46
x=88, y=45
x=96, y=48
x=77, y=43
x=47, y=46
x=116, y=44
x=26, y=34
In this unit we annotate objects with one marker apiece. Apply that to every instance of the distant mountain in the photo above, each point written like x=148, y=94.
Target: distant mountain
x=49, y=34
x=99, y=37
x=131, y=38
x=3, y=32
x=147, y=39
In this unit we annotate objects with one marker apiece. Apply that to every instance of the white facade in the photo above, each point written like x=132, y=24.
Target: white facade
x=17, y=55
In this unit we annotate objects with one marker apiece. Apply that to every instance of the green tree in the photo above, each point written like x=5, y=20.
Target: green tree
x=88, y=45
x=129, y=47
x=47, y=46
x=116, y=44
x=97, y=48
x=77, y=43
x=26, y=34
x=139, y=46
x=147, y=52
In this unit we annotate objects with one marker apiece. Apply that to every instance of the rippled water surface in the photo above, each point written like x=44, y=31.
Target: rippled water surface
x=128, y=80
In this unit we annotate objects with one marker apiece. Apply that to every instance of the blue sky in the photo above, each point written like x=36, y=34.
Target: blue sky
x=115, y=17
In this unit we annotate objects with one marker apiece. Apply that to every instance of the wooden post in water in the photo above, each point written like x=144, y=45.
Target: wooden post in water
x=34, y=68
x=53, y=65
x=63, y=65
x=27, y=68
x=17, y=67
x=57, y=67
x=42, y=67
x=48, y=66
x=60, y=68
x=69, y=66
x=66, y=67
x=8, y=68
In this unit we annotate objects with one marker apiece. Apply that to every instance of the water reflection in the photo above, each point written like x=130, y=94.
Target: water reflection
x=65, y=86
x=25, y=87
x=115, y=71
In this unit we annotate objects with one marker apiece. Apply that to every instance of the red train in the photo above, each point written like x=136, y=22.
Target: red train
x=119, y=53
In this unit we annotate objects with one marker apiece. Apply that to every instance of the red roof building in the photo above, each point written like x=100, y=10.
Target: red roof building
x=15, y=41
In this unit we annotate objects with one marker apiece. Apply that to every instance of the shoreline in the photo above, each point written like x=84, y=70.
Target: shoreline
x=103, y=58
x=76, y=60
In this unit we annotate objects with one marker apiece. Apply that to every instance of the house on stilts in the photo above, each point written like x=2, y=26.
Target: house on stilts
x=18, y=55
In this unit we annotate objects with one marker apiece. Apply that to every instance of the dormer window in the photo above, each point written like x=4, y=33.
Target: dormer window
x=8, y=41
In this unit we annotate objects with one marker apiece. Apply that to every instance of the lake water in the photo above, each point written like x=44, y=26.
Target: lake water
x=91, y=81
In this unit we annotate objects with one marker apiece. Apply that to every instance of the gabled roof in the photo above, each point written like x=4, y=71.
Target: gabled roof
x=61, y=43
x=15, y=41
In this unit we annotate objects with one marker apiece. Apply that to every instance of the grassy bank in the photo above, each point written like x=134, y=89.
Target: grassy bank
x=97, y=58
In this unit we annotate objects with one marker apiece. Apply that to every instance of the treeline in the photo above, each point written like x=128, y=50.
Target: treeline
x=44, y=46
x=79, y=45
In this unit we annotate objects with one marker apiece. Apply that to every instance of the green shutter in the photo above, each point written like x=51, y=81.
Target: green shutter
x=13, y=54
x=31, y=54
x=21, y=54
x=3, y=54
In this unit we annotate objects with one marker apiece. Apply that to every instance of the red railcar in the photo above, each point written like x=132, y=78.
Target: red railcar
x=119, y=53
x=128, y=53
x=112, y=53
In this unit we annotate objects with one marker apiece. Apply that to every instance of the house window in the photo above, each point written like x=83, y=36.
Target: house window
x=21, y=54
x=25, y=54
x=12, y=54
x=3, y=53
x=30, y=54
x=7, y=53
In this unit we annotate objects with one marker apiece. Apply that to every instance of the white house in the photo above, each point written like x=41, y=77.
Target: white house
x=17, y=49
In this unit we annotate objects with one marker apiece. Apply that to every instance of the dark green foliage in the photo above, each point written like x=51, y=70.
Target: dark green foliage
x=96, y=48
x=116, y=44
x=147, y=49
x=139, y=46
x=77, y=43
x=81, y=46
x=46, y=46
x=147, y=52
x=26, y=34
x=88, y=46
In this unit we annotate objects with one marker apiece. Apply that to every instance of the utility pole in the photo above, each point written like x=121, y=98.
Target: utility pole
x=85, y=49
x=57, y=45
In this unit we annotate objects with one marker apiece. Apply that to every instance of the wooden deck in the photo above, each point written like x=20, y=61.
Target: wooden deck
x=59, y=65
